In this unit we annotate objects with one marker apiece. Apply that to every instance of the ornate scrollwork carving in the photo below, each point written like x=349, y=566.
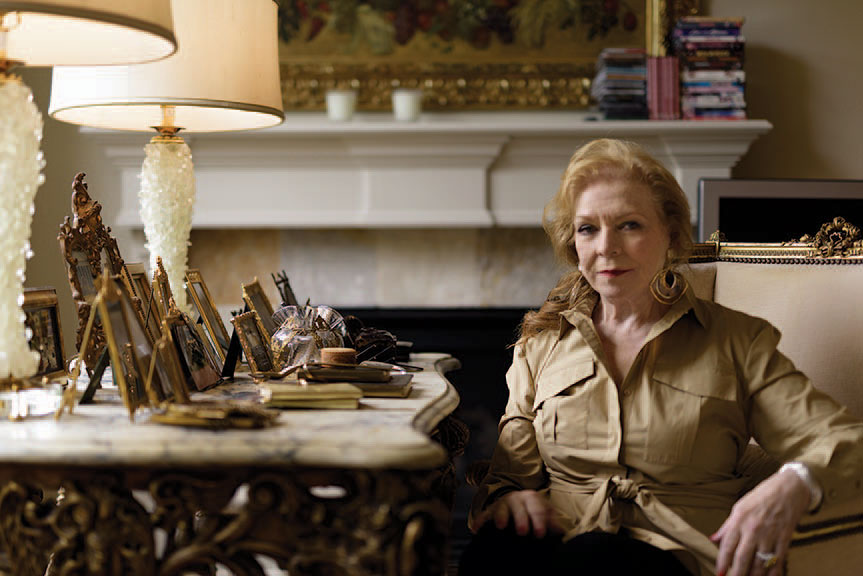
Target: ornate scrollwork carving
x=837, y=238
x=22, y=528
x=96, y=528
x=311, y=522
x=319, y=522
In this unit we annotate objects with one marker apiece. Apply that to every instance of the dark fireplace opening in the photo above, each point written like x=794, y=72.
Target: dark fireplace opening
x=480, y=338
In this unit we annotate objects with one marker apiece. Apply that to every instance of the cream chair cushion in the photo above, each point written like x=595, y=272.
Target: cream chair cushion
x=818, y=309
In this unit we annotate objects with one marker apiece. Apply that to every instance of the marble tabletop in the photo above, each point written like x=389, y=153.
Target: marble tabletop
x=383, y=433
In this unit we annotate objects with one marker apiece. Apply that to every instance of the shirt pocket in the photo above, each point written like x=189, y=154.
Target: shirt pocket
x=687, y=407
x=562, y=404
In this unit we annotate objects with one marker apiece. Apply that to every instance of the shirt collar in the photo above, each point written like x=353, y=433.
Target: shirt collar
x=583, y=311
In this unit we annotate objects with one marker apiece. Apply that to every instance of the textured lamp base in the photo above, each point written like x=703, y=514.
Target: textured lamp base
x=21, y=163
x=167, y=199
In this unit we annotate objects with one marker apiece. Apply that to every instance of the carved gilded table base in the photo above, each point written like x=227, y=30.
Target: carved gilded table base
x=310, y=521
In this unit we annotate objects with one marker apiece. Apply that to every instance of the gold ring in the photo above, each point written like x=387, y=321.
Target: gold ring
x=768, y=559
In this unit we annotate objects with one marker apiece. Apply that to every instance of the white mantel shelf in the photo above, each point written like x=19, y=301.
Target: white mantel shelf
x=447, y=170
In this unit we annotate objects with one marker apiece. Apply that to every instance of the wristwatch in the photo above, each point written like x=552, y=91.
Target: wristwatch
x=802, y=471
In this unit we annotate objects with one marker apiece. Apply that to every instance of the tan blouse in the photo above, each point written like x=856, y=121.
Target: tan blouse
x=659, y=457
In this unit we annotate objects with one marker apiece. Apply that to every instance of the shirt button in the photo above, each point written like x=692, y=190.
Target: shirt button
x=627, y=392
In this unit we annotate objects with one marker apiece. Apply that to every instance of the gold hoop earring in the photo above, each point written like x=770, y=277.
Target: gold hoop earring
x=668, y=286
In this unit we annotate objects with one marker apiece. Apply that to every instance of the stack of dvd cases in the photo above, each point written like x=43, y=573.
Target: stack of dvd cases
x=711, y=55
x=620, y=85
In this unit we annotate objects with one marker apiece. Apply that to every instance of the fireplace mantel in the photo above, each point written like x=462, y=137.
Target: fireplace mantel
x=448, y=170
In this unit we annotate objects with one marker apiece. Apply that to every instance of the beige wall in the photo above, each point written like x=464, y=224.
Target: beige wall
x=805, y=74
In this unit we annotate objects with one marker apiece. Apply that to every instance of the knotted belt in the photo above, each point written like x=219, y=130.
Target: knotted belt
x=610, y=494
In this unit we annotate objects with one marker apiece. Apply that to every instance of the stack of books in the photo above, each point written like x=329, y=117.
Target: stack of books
x=711, y=54
x=620, y=85
x=663, y=88
x=333, y=396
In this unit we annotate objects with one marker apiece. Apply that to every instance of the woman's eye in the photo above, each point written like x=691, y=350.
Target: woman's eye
x=585, y=229
x=630, y=225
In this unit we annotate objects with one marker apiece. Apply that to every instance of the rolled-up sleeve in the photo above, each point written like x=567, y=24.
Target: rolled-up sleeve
x=793, y=421
x=516, y=463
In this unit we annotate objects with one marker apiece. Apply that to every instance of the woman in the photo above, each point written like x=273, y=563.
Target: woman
x=632, y=404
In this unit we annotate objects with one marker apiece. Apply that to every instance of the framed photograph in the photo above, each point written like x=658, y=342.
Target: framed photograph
x=143, y=288
x=198, y=364
x=85, y=274
x=255, y=342
x=203, y=302
x=125, y=370
x=171, y=370
x=215, y=359
x=463, y=54
x=257, y=301
x=88, y=248
x=161, y=288
x=43, y=319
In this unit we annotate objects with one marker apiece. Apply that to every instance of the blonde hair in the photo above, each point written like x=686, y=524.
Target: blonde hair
x=604, y=160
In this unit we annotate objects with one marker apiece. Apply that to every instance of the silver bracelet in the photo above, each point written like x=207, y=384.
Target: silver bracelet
x=802, y=471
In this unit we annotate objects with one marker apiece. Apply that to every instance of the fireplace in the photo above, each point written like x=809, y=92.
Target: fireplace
x=480, y=338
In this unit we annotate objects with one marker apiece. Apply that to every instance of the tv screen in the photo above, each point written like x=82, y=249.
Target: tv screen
x=775, y=210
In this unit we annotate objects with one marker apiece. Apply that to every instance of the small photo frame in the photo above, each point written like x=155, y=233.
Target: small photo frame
x=200, y=370
x=143, y=288
x=257, y=301
x=170, y=366
x=200, y=296
x=143, y=378
x=125, y=370
x=85, y=275
x=162, y=294
x=255, y=342
x=43, y=318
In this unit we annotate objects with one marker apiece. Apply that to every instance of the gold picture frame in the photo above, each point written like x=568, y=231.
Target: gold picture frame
x=463, y=54
x=43, y=318
x=202, y=369
x=199, y=294
x=88, y=248
x=143, y=288
x=145, y=374
x=255, y=343
x=257, y=301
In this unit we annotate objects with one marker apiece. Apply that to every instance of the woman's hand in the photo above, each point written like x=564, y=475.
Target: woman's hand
x=528, y=510
x=761, y=522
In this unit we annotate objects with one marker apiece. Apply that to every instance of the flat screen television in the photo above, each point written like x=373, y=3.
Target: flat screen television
x=774, y=210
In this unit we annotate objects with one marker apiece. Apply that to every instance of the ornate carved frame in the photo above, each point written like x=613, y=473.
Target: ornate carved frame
x=208, y=311
x=85, y=233
x=247, y=326
x=522, y=85
x=257, y=301
x=198, y=365
x=38, y=299
x=836, y=242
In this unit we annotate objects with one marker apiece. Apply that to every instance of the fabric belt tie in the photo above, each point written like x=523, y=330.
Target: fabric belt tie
x=604, y=512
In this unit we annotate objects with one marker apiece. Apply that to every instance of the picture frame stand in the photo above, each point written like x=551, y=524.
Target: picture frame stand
x=95, y=378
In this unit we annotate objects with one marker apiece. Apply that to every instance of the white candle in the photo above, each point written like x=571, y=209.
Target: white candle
x=340, y=104
x=407, y=104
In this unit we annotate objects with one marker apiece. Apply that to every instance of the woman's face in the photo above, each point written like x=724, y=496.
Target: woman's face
x=620, y=238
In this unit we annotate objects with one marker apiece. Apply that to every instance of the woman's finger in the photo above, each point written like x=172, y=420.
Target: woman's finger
x=500, y=512
x=743, y=556
x=727, y=539
x=538, y=511
x=519, y=516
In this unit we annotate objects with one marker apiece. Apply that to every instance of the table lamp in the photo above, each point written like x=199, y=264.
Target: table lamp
x=224, y=76
x=43, y=33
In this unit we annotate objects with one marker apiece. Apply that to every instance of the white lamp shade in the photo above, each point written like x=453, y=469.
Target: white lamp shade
x=224, y=76
x=87, y=32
